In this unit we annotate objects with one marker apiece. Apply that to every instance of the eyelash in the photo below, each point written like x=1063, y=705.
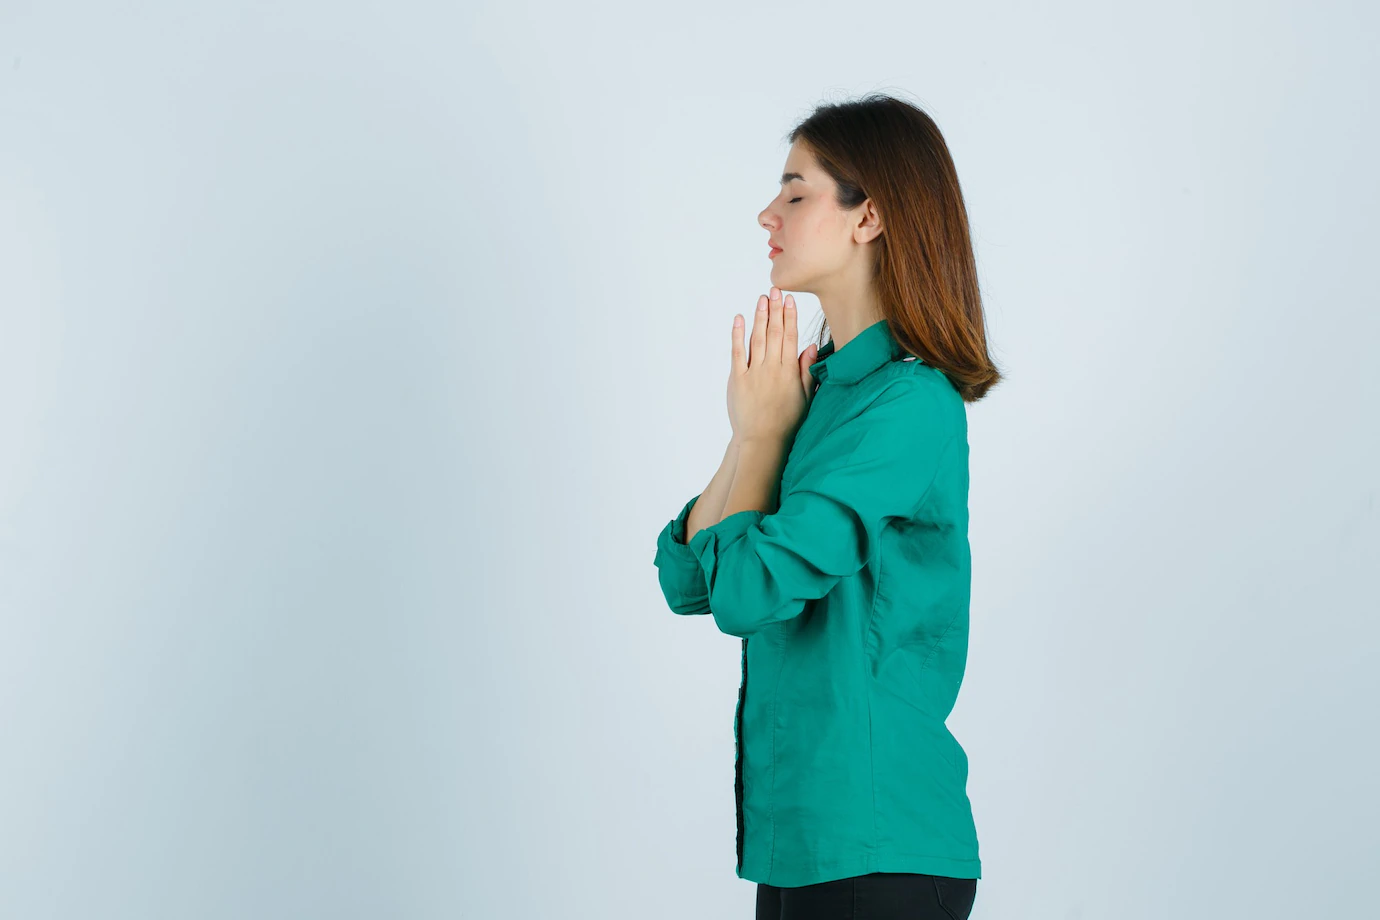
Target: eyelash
x=793, y=201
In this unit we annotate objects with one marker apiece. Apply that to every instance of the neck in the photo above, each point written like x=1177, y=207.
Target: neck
x=850, y=305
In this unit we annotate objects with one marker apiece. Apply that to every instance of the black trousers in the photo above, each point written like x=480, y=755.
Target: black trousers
x=876, y=896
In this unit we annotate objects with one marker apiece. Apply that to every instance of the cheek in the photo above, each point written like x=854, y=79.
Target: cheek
x=820, y=233
x=811, y=228
x=826, y=224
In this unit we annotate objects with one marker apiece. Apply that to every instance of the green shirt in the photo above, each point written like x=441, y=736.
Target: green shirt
x=851, y=600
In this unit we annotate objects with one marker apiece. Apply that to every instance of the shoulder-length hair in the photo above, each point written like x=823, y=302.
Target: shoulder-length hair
x=886, y=149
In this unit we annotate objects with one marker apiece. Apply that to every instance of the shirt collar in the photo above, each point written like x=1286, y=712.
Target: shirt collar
x=863, y=354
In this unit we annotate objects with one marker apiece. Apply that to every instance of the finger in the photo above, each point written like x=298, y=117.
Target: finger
x=807, y=380
x=790, y=343
x=739, y=363
x=775, y=324
x=759, y=333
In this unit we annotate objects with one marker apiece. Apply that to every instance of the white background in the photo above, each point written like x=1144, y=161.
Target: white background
x=352, y=357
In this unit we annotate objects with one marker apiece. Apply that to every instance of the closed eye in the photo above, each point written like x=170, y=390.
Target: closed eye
x=793, y=201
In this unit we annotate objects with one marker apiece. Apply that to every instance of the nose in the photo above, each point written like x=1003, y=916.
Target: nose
x=766, y=219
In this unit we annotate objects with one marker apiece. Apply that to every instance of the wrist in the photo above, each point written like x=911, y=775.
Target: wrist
x=763, y=441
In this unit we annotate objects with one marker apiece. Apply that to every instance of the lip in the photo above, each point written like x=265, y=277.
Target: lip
x=772, y=251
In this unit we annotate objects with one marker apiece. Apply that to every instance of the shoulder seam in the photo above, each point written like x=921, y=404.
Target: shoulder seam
x=896, y=381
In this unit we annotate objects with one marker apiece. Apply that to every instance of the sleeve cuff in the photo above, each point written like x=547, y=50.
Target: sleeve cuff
x=678, y=570
x=671, y=542
x=705, y=544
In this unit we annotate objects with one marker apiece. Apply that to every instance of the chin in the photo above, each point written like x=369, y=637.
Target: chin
x=788, y=281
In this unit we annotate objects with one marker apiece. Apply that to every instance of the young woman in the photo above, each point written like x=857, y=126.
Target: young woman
x=833, y=540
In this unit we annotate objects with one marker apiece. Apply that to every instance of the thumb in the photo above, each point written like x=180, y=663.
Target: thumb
x=807, y=380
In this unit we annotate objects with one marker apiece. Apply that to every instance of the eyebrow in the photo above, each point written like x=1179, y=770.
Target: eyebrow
x=787, y=177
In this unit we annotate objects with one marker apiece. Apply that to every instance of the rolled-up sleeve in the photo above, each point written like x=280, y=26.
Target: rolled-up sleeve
x=678, y=570
x=757, y=568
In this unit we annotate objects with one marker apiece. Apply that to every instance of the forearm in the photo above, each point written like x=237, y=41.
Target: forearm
x=757, y=477
x=709, y=509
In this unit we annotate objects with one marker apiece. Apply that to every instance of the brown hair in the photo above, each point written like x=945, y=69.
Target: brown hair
x=886, y=149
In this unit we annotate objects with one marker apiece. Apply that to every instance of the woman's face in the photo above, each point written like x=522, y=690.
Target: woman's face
x=817, y=238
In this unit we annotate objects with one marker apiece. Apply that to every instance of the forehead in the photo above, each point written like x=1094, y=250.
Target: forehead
x=800, y=166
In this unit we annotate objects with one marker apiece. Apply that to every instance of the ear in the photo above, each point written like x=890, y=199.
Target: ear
x=870, y=227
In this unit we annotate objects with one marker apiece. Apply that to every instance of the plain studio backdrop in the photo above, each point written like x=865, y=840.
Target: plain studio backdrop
x=353, y=355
